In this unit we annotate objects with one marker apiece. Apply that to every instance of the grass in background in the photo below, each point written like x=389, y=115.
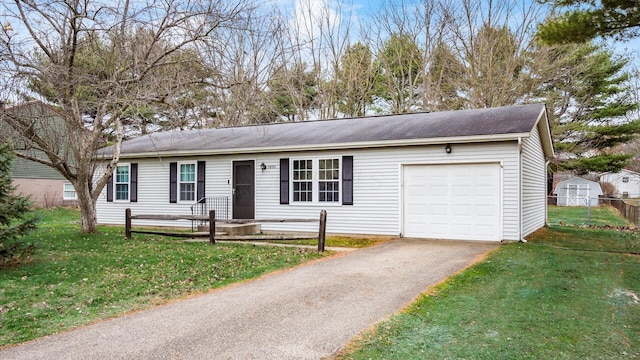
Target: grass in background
x=574, y=215
x=526, y=301
x=75, y=279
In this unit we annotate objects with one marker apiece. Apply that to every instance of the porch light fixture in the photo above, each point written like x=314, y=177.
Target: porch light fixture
x=447, y=149
x=263, y=167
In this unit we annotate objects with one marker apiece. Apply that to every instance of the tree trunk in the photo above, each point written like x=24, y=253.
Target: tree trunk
x=87, y=211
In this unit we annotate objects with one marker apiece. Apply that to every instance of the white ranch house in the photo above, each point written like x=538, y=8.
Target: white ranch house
x=467, y=175
x=627, y=183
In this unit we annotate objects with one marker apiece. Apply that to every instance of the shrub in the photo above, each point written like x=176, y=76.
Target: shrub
x=608, y=189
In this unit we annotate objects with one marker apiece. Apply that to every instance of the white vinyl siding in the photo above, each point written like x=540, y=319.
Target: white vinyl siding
x=376, y=205
x=534, y=184
x=153, y=187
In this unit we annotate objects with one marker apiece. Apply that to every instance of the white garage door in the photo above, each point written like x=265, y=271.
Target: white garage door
x=457, y=201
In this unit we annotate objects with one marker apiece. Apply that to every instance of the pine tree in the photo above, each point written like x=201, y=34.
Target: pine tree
x=587, y=19
x=14, y=212
x=587, y=93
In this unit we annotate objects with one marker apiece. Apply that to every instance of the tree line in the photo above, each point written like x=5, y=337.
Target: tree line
x=116, y=69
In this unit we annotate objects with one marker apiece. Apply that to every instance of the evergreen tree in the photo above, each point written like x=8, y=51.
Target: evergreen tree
x=14, y=210
x=400, y=63
x=619, y=18
x=445, y=79
x=356, y=80
x=588, y=100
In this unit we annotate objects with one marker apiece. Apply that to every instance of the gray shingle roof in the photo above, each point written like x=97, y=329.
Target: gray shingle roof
x=518, y=119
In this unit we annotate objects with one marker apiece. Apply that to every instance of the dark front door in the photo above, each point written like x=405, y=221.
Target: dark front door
x=243, y=189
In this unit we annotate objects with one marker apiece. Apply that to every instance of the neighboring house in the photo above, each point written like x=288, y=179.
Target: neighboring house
x=578, y=192
x=627, y=183
x=469, y=175
x=46, y=186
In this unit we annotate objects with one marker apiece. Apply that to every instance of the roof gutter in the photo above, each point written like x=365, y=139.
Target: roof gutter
x=316, y=147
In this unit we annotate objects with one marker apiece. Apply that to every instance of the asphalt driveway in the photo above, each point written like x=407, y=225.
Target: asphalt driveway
x=305, y=313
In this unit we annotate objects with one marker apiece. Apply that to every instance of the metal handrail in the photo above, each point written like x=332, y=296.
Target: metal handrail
x=202, y=207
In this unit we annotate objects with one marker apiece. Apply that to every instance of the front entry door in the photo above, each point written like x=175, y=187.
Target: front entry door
x=243, y=189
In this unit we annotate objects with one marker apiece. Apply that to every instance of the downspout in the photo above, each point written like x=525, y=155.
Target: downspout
x=520, y=190
x=546, y=202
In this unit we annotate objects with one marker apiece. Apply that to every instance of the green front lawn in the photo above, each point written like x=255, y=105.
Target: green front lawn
x=569, y=293
x=74, y=279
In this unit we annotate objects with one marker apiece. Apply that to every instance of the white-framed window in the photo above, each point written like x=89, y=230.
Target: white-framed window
x=329, y=180
x=69, y=192
x=316, y=180
x=303, y=180
x=187, y=181
x=122, y=182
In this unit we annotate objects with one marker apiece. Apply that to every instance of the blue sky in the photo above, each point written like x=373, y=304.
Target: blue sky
x=362, y=9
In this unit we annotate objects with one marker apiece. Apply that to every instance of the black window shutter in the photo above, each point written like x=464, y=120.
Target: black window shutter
x=284, y=181
x=173, y=182
x=133, y=196
x=110, y=189
x=347, y=180
x=201, y=177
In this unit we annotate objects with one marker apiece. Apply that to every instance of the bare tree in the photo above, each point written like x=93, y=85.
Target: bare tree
x=319, y=33
x=493, y=39
x=99, y=61
x=395, y=37
x=242, y=63
x=405, y=37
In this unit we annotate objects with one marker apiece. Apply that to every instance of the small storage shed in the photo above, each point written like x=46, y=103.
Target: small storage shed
x=468, y=175
x=578, y=192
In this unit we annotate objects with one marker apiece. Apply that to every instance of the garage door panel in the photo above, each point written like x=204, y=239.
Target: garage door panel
x=453, y=201
x=462, y=210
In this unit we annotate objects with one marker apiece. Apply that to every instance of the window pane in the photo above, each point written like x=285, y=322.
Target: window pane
x=187, y=172
x=187, y=191
x=122, y=174
x=122, y=191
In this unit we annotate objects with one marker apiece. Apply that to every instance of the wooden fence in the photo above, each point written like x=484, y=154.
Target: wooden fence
x=630, y=212
x=211, y=218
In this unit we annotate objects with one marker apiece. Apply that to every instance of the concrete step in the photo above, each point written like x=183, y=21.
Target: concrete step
x=234, y=229
x=206, y=233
